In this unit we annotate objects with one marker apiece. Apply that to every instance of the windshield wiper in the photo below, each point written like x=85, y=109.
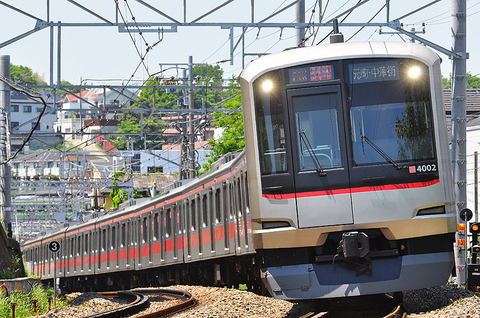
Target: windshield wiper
x=382, y=153
x=317, y=164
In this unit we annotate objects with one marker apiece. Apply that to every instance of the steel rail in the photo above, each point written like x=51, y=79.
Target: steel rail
x=189, y=302
x=139, y=303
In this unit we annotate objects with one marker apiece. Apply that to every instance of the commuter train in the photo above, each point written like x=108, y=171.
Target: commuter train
x=344, y=189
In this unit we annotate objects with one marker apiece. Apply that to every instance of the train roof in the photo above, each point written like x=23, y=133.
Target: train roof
x=337, y=51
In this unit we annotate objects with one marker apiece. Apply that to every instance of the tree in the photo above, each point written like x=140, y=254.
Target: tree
x=24, y=76
x=232, y=139
x=472, y=81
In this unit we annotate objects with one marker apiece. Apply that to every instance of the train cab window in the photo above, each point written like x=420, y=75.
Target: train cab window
x=317, y=132
x=397, y=121
x=270, y=113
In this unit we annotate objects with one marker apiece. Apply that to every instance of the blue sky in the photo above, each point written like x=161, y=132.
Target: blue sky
x=97, y=53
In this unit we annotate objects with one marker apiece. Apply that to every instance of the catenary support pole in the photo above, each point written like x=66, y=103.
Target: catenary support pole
x=300, y=18
x=5, y=179
x=459, y=132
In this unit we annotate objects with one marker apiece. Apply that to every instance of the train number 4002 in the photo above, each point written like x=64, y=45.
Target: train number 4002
x=427, y=168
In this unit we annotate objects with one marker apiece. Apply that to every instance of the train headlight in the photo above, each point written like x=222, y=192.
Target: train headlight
x=267, y=86
x=414, y=72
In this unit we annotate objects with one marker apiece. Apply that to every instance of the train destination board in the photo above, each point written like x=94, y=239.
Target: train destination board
x=310, y=74
x=374, y=72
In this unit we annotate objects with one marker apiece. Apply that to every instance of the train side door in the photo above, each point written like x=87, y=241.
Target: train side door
x=321, y=172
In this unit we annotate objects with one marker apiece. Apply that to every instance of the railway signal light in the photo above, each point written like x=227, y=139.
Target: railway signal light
x=474, y=228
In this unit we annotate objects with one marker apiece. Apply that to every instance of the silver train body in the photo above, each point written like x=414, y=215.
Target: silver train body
x=349, y=189
x=350, y=174
x=197, y=233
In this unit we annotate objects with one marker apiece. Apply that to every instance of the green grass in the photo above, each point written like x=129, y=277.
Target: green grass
x=24, y=301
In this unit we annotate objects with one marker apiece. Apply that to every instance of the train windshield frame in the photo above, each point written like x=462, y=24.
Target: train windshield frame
x=388, y=108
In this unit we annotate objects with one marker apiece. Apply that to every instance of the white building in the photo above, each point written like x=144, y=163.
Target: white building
x=90, y=106
x=24, y=114
x=168, y=159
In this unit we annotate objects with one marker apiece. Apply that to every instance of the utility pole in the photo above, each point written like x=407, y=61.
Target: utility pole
x=5, y=178
x=459, y=120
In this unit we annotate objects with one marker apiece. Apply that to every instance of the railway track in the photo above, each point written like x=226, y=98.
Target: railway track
x=141, y=302
x=375, y=306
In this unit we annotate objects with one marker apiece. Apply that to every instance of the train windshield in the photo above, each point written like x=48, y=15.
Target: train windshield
x=393, y=121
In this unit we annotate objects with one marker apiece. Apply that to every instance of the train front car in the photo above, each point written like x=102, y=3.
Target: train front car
x=350, y=178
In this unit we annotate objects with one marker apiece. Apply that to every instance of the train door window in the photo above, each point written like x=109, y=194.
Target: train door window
x=45, y=247
x=239, y=198
x=317, y=131
x=85, y=245
x=247, y=197
x=162, y=233
x=174, y=231
x=181, y=207
x=107, y=245
x=79, y=246
x=144, y=230
x=114, y=237
x=156, y=228
x=168, y=223
x=205, y=210
x=231, y=200
x=188, y=226
x=104, y=240
x=139, y=239
x=129, y=243
x=123, y=236
x=218, y=206
x=72, y=242
x=99, y=253
x=150, y=239
x=193, y=215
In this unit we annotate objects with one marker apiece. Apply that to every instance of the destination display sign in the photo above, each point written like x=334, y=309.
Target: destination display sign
x=310, y=74
x=374, y=71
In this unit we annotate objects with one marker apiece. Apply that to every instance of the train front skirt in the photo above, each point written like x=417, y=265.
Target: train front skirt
x=327, y=280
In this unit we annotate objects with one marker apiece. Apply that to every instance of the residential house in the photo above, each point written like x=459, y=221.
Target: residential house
x=81, y=116
x=24, y=115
